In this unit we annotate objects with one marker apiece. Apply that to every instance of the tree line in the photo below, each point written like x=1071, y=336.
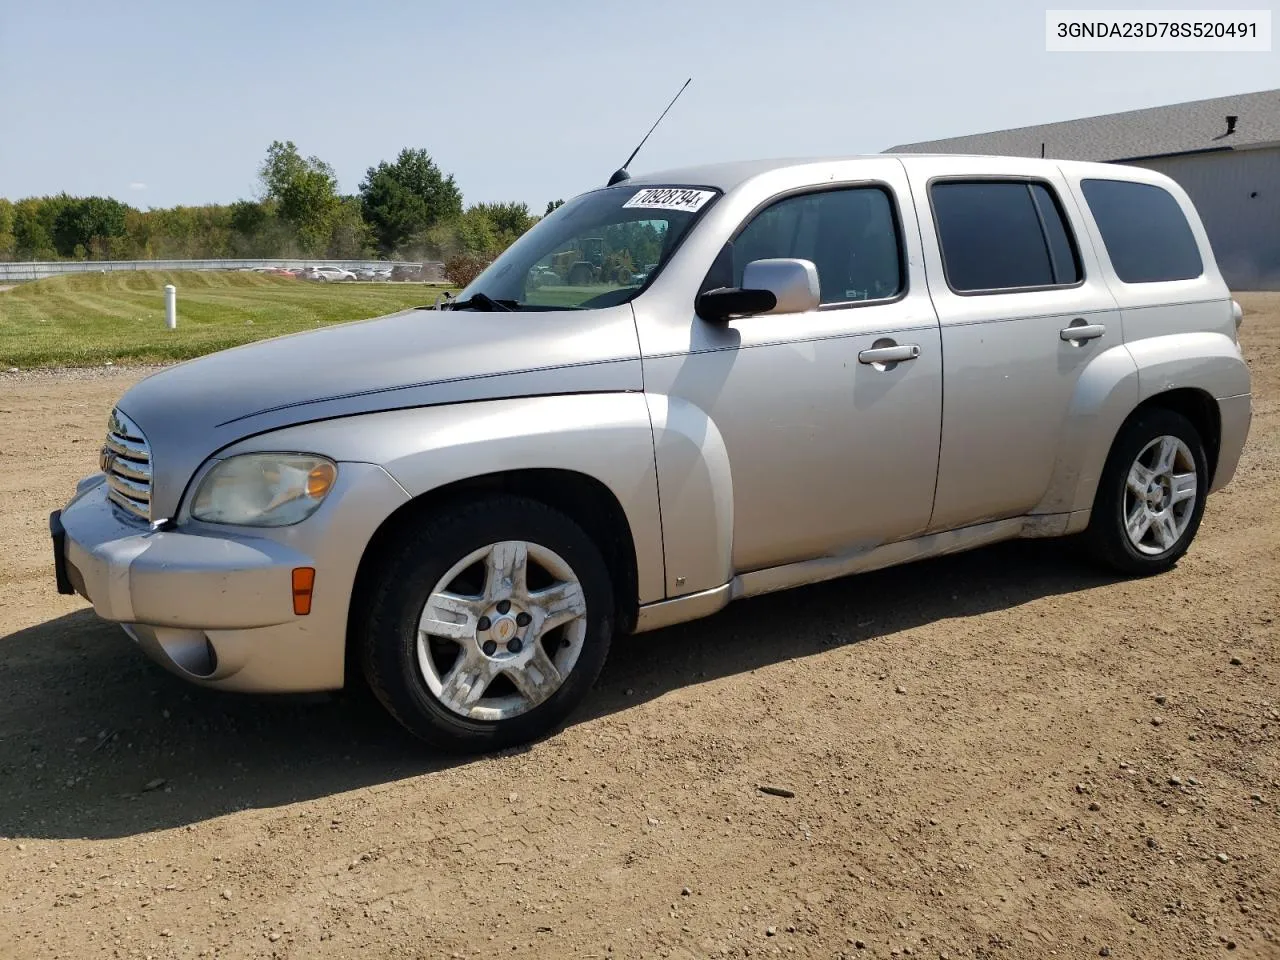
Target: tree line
x=404, y=209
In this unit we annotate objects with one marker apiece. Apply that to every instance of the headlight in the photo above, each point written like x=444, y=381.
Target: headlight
x=264, y=489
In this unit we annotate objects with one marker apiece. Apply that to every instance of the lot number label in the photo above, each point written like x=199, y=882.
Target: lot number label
x=670, y=198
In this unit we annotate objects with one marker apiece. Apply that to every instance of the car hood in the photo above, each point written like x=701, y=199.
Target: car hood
x=410, y=359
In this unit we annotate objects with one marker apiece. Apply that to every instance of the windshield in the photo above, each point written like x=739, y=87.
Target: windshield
x=597, y=250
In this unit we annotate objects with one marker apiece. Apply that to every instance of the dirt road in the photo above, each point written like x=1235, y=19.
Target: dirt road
x=1001, y=754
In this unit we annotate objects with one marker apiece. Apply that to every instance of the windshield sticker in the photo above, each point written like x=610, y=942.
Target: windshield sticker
x=670, y=198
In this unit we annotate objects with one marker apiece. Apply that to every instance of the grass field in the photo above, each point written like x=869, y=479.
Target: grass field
x=568, y=296
x=89, y=319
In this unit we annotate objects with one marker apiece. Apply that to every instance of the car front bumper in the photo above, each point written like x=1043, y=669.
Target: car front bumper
x=215, y=604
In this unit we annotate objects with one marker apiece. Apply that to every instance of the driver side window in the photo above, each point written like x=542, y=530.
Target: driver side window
x=851, y=235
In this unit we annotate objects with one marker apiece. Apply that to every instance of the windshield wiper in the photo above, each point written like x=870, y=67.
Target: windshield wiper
x=482, y=301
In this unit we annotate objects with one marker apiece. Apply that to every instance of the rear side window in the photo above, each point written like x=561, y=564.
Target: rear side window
x=1145, y=233
x=850, y=234
x=1003, y=235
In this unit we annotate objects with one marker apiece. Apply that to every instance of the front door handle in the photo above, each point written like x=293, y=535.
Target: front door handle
x=1083, y=331
x=894, y=354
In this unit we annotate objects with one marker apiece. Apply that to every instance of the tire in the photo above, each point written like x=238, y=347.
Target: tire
x=1167, y=527
x=426, y=579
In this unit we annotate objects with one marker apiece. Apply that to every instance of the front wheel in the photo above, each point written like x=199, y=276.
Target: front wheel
x=489, y=624
x=1151, y=495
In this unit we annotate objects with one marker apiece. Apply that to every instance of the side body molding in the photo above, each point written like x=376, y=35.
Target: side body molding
x=695, y=484
x=605, y=436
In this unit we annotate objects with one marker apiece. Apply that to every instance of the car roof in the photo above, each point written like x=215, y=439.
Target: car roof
x=727, y=176
x=722, y=176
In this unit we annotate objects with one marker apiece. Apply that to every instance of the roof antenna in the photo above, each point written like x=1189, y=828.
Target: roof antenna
x=621, y=173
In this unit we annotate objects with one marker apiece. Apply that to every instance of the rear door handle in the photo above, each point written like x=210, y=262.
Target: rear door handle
x=894, y=354
x=1085, y=331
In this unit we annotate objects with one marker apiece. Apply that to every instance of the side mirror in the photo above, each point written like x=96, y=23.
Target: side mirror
x=724, y=302
x=793, y=282
x=768, y=286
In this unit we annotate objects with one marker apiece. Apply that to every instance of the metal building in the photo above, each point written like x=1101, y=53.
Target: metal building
x=1225, y=153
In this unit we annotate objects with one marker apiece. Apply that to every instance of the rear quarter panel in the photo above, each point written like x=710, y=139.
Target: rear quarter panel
x=1166, y=307
x=1179, y=333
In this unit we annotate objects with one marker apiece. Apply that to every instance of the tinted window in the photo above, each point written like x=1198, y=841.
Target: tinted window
x=1146, y=235
x=850, y=235
x=1002, y=235
x=1062, y=253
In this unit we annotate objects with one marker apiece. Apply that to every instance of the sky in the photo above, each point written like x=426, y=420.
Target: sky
x=163, y=103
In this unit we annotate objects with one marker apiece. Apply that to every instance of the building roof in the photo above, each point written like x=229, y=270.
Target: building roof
x=1194, y=127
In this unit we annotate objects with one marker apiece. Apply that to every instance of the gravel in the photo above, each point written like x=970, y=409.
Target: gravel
x=1046, y=681
x=54, y=375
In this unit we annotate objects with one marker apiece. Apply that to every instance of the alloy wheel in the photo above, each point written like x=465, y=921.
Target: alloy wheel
x=1160, y=495
x=501, y=630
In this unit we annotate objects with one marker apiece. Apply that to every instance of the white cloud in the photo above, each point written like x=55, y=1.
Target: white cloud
x=137, y=185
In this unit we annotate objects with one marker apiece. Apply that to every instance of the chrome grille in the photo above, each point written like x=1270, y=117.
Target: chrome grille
x=126, y=460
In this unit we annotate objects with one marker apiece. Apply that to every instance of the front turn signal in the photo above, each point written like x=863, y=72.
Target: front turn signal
x=304, y=581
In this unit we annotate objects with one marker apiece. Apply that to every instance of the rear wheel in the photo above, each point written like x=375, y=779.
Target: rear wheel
x=1151, y=495
x=488, y=625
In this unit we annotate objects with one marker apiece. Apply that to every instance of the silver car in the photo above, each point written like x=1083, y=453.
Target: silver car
x=327, y=274
x=725, y=381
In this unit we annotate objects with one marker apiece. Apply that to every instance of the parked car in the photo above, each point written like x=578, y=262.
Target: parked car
x=373, y=273
x=327, y=274
x=833, y=367
x=541, y=275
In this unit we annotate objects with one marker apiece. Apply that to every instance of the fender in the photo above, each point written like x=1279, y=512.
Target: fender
x=1212, y=363
x=1207, y=361
x=1105, y=394
x=1114, y=385
x=606, y=436
x=695, y=484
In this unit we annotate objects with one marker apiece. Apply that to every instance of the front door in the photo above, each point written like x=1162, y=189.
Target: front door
x=832, y=443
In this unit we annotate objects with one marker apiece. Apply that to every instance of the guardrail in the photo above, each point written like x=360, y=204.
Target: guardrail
x=39, y=270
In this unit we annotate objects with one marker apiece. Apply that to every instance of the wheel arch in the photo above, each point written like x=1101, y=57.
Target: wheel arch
x=584, y=499
x=1188, y=373
x=1105, y=393
x=1194, y=403
x=1198, y=406
x=1184, y=373
x=1111, y=535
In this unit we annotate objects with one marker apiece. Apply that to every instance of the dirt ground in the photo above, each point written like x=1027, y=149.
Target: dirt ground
x=1001, y=754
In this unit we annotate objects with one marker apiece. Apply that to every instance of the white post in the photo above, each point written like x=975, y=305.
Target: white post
x=171, y=306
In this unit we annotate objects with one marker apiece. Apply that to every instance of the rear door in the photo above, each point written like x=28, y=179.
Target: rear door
x=1011, y=276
